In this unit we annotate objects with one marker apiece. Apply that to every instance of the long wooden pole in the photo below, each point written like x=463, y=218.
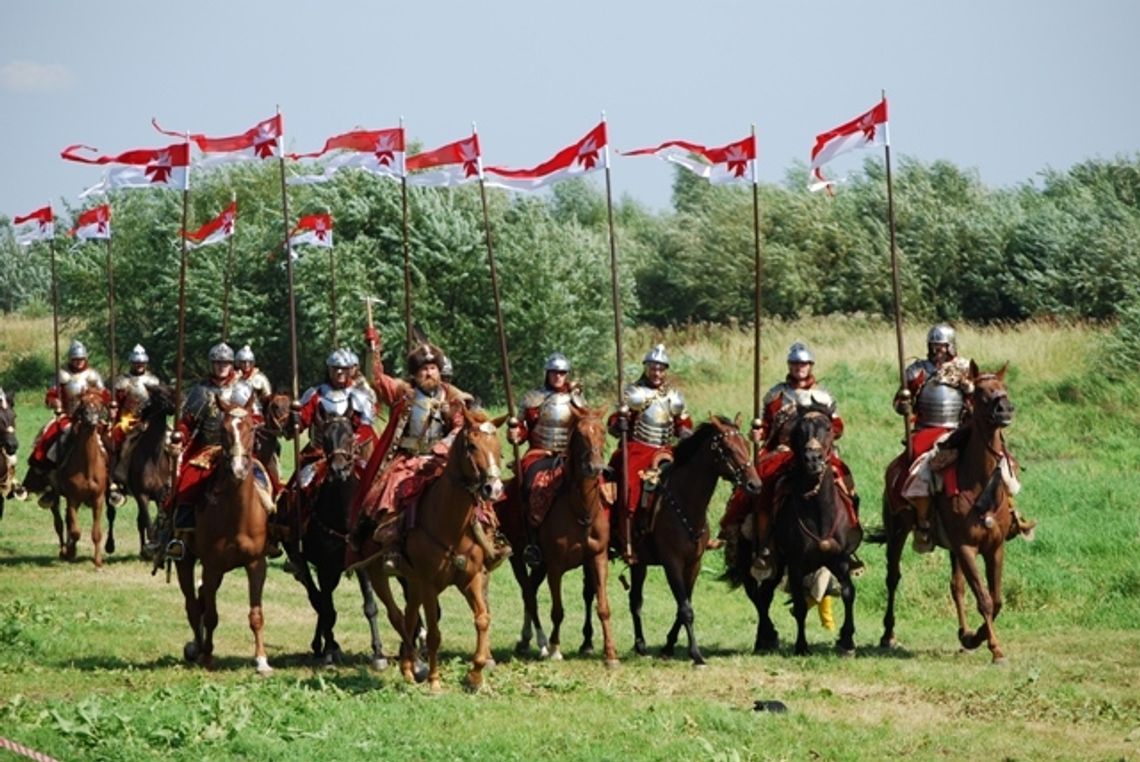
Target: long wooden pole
x=294, y=383
x=332, y=294
x=756, y=420
x=407, y=258
x=181, y=353
x=897, y=289
x=228, y=281
x=111, y=307
x=54, y=301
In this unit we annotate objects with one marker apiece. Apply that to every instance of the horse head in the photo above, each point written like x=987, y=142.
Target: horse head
x=7, y=425
x=480, y=470
x=91, y=410
x=587, y=443
x=277, y=414
x=159, y=403
x=238, y=435
x=812, y=439
x=990, y=400
x=733, y=459
x=337, y=439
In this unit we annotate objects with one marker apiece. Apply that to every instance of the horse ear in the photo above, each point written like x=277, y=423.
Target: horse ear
x=974, y=372
x=500, y=420
x=1001, y=373
x=739, y=419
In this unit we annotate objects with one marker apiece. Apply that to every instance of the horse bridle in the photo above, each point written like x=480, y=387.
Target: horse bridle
x=718, y=445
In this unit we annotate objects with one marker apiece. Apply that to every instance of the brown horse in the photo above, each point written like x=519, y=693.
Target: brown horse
x=678, y=527
x=9, y=485
x=230, y=531
x=575, y=532
x=442, y=549
x=82, y=475
x=974, y=521
x=149, y=469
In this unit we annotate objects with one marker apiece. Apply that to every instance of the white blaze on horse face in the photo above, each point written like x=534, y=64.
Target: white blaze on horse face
x=237, y=457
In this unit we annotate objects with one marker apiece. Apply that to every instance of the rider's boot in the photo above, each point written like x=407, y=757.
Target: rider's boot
x=532, y=553
x=1022, y=526
x=923, y=542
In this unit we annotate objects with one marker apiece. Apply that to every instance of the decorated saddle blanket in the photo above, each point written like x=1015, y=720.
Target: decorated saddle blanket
x=541, y=484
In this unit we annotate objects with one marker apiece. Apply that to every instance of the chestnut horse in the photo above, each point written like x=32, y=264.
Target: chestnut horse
x=813, y=528
x=575, y=532
x=150, y=468
x=326, y=534
x=230, y=531
x=974, y=521
x=679, y=528
x=9, y=486
x=82, y=475
x=441, y=548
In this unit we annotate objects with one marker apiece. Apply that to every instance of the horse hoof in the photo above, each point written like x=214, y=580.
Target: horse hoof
x=612, y=664
x=665, y=653
x=586, y=649
x=110, y=546
x=845, y=651
x=436, y=687
x=556, y=655
x=640, y=649
x=699, y=664
x=999, y=660
x=522, y=647
x=380, y=664
x=263, y=667
x=420, y=673
x=888, y=643
x=190, y=652
x=544, y=653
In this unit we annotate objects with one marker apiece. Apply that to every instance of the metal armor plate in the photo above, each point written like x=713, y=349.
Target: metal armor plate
x=259, y=382
x=133, y=391
x=426, y=421
x=201, y=405
x=333, y=401
x=939, y=404
x=552, y=429
x=658, y=410
x=73, y=385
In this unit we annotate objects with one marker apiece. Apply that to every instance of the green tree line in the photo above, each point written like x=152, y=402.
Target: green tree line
x=1065, y=245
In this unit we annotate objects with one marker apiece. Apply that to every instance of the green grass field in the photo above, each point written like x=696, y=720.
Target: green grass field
x=90, y=662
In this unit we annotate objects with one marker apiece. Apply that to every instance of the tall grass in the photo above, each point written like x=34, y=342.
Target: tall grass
x=91, y=669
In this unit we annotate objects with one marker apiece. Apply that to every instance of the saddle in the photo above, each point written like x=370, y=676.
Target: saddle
x=541, y=484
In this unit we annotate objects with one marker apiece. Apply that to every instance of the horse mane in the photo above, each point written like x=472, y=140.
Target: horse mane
x=689, y=446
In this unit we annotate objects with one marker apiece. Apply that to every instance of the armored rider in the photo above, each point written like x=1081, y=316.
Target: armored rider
x=338, y=396
x=63, y=397
x=425, y=416
x=800, y=389
x=131, y=390
x=546, y=417
x=937, y=394
x=246, y=365
x=653, y=413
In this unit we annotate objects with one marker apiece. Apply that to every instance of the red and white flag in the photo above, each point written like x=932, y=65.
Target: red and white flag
x=258, y=142
x=864, y=131
x=142, y=168
x=732, y=163
x=587, y=155
x=452, y=164
x=94, y=224
x=42, y=227
x=218, y=229
x=315, y=229
x=380, y=152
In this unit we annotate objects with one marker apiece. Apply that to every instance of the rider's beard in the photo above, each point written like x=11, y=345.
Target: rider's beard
x=428, y=385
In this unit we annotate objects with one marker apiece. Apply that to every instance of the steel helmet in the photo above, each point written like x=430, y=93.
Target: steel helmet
x=339, y=358
x=221, y=353
x=76, y=351
x=557, y=362
x=138, y=354
x=245, y=354
x=657, y=355
x=799, y=352
x=943, y=334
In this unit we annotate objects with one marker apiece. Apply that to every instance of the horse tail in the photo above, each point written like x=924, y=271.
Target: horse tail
x=876, y=536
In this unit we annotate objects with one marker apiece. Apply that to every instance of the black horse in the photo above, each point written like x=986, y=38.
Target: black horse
x=326, y=533
x=9, y=486
x=814, y=528
x=149, y=468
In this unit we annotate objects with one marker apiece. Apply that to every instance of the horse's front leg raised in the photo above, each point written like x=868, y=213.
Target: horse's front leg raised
x=255, y=573
x=478, y=603
x=637, y=574
x=379, y=660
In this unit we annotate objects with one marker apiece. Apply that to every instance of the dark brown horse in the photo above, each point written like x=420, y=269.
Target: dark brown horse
x=975, y=521
x=230, y=532
x=325, y=535
x=149, y=468
x=813, y=528
x=82, y=475
x=9, y=485
x=442, y=549
x=679, y=529
x=575, y=532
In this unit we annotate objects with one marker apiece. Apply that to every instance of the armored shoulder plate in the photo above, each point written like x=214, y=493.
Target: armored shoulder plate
x=817, y=395
x=259, y=382
x=919, y=367
x=311, y=392
x=637, y=396
x=199, y=401
x=534, y=398
x=676, y=402
x=362, y=403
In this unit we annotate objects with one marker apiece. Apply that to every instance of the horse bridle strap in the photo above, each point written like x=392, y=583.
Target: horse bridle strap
x=738, y=471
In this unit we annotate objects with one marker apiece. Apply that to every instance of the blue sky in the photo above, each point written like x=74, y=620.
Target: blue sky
x=1006, y=88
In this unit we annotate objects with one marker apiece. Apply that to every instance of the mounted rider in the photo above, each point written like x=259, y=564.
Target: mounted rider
x=131, y=391
x=268, y=448
x=197, y=438
x=654, y=415
x=545, y=423
x=63, y=398
x=245, y=363
x=937, y=396
x=425, y=416
x=782, y=404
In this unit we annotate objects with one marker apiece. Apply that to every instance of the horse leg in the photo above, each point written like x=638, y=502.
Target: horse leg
x=799, y=606
x=379, y=661
x=969, y=564
x=994, y=563
x=57, y=521
x=598, y=575
x=518, y=569
x=382, y=587
x=304, y=575
x=557, y=613
x=637, y=574
x=681, y=585
x=97, y=529
x=412, y=603
x=589, y=574
x=897, y=531
x=761, y=594
x=478, y=603
x=109, y=545
x=143, y=523
x=328, y=577
x=255, y=573
x=73, y=531
x=208, y=595
x=958, y=595
x=193, y=649
x=846, y=642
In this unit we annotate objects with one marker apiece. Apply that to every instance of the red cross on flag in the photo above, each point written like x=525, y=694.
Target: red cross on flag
x=452, y=164
x=141, y=168
x=40, y=226
x=864, y=131
x=314, y=229
x=720, y=166
x=94, y=224
x=379, y=152
x=583, y=157
x=218, y=229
